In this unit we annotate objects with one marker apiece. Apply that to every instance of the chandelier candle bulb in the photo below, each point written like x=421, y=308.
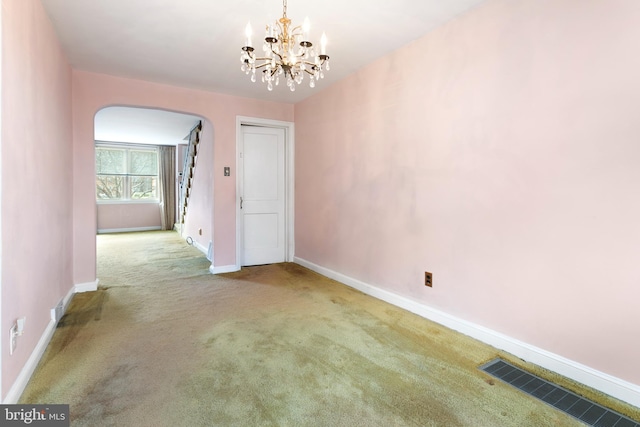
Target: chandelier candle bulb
x=323, y=44
x=306, y=26
x=248, y=32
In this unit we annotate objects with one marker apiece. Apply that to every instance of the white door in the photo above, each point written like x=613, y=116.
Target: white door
x=262, y=195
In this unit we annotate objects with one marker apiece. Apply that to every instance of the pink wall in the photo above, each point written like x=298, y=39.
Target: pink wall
x=36, y=177
x=118, y=216
x=501, y=153
x=216, y=197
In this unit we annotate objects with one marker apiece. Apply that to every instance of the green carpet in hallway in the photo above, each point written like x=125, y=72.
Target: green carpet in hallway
x=165, y=343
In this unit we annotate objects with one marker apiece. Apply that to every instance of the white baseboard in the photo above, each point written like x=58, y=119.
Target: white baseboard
x=23, y=378
x=224, y=269
x=86, y=287
x=32, y=362
x=127, y=230
x=200, y=247
x=25, y=374
x=606, y=383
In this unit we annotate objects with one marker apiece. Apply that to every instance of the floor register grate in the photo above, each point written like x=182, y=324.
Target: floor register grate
x=570, y=403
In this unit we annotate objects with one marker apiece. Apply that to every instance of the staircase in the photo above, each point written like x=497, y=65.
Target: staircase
x=188, y=171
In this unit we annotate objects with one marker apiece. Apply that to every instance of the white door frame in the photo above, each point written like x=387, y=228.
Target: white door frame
x=289, y=150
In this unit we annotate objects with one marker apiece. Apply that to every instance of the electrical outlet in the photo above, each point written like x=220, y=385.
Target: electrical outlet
x=428, y=279
x=16, y=330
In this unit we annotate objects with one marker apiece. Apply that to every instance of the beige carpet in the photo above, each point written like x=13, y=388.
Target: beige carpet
x=165, y=343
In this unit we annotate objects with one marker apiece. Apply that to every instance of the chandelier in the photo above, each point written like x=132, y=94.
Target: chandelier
x=288, y=54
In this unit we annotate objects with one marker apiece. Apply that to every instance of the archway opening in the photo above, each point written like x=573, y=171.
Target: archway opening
x=139, y=154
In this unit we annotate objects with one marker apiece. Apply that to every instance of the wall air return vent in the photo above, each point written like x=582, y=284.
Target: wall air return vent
x=570, y=403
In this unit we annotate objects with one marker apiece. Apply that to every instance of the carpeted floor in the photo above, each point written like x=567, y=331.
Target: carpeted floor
x=165, y=343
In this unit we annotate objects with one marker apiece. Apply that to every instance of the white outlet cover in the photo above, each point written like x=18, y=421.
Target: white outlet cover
x=12, y=339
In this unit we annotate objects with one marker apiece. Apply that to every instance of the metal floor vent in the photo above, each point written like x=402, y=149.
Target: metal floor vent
x=570, y=403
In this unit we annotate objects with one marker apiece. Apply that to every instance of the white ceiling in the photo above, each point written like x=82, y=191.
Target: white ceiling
x=143, y=126
x=196, y=43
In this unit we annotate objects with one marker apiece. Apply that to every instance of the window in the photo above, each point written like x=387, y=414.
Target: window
x=126, y=173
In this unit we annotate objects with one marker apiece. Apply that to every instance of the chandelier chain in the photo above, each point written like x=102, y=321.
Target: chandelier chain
x=284, y=8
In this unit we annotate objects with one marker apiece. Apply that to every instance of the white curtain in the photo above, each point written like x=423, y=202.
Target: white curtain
x=167, y=175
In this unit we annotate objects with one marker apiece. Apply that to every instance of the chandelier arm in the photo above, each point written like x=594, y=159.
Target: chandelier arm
x=275, y=53
x=322, y=61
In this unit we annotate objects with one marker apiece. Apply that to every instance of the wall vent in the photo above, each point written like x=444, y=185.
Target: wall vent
x=57, y=312
x=570, y=403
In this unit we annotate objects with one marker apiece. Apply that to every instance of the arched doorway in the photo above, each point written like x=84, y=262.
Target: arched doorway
x=139, y=153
